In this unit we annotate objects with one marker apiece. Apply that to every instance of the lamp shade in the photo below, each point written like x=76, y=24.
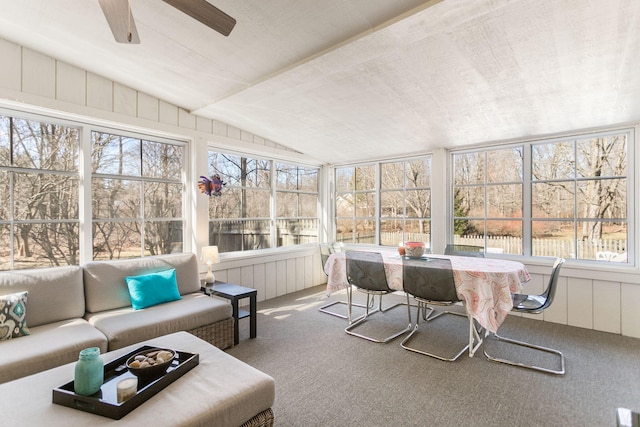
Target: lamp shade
x=209, y=255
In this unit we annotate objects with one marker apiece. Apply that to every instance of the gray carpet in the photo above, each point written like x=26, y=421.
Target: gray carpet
x=325, y=377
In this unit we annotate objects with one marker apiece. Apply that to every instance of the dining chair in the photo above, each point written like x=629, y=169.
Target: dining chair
x=464, y=250
x=533, y=304
x=326, y=249
x=366, y=272
x=431, y=282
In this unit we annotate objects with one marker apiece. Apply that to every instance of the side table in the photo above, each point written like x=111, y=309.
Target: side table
x=235, y=293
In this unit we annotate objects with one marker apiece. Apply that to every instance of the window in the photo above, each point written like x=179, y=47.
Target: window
x=239, y=219
x=355, y=204
x=242, y=218
x=575, y=206
x=487, y=199
x=399, y=206
x=405, y=202
x=296, y=204
x=137, y=202
x=39, y=222
x=579, y=198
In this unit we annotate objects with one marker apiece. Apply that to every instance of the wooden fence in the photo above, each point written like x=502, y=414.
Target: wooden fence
x=256, y=234
x=602, y=249
x=243, y=235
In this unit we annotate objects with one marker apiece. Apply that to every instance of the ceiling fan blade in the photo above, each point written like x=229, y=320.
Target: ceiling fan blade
x=206, y=13
x=120, y=20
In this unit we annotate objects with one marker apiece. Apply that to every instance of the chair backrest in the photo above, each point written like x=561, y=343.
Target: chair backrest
x=365, y=270
x=431, y=279
x=327, y=249
x=550, y=293
x=464, y=250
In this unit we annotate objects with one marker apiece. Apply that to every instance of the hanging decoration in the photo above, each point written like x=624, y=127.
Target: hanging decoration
x=211, y=187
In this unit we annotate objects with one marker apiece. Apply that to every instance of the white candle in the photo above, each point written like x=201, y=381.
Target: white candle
x=126, y=389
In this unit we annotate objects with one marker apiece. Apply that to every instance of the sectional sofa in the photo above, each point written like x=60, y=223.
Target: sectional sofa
x=74, y=307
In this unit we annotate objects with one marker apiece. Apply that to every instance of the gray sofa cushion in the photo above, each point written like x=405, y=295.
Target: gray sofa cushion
x=125, y=326
x=105, y=287
x=55, y=293
x=48, y=346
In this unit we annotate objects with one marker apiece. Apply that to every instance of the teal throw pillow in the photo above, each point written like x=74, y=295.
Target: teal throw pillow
x=153, y=289
x=13, y=314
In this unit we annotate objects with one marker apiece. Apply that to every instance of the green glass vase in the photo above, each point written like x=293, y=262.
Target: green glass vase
x=89, y=373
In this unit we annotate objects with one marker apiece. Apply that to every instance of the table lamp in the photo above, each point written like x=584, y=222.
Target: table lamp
x=209, y=257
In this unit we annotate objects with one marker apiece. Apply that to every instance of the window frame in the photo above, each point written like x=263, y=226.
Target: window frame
x=273, y=191
x=13, y=170
x=377, y=192
x=633, y=215
x=85, y=126
x=143, y=179
x=355, y=192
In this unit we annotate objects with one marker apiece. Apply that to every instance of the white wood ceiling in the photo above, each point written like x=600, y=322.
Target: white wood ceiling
x=353, y=80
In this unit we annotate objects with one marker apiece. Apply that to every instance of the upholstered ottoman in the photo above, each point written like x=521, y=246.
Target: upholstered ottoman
x=221, y=391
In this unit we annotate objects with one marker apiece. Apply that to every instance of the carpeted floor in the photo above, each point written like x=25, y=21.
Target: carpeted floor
x=325, y=377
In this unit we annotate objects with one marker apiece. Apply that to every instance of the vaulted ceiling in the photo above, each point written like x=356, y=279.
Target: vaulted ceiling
x=353, y=80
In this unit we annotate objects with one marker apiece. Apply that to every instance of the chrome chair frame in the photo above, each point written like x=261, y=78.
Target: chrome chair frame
x=475, y=338
x=372, y=282
x=534, y=304
x=327, y=249
x=424, y=296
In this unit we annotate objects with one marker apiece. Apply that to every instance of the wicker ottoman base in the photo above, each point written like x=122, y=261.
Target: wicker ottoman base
x=219, y=334
x=263, y=419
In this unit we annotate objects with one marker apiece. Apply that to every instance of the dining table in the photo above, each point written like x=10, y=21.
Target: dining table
x=484, y=285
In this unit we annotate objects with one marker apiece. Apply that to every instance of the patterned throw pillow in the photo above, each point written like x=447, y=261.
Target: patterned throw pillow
x=13, y=313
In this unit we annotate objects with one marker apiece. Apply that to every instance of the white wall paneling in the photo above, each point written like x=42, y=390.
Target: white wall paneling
x=580, y=303
x=148, y=107
x=309, y=276
x=11, y=70
x=299, y=281
x=271, y=290
x=38, y=74
x=557, y=312
x=281, y=277
x=125, y=101
x=203, y=125
x=606, y=306
x=630, y=316
x=167, y=113
x=186, y=120
x=291, y=275
x=99, y=92
x=259, y=280
x=234, y=275
x=71, y=84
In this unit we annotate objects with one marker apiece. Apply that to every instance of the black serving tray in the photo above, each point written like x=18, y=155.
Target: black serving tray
x=105, y=401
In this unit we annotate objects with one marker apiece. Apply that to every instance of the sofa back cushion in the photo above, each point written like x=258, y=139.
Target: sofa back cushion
x=105, y=286
x=54, y=294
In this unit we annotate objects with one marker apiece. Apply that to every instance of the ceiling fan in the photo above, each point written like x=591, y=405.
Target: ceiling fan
x=123, y=27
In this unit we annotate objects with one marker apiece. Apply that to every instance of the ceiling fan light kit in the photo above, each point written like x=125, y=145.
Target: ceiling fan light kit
x=120, y=19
